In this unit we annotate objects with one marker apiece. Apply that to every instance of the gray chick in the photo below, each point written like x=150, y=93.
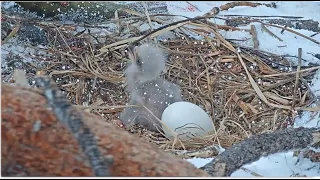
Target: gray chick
x=146, y=87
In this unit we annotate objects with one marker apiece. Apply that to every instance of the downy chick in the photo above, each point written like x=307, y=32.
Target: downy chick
x=147, y=88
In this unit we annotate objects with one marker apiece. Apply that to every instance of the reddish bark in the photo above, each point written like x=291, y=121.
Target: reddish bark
x=34, y=143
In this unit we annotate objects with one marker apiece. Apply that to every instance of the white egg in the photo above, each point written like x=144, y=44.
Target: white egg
x=186, y=119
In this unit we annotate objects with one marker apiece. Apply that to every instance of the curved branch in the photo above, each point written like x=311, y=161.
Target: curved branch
x=35, y=143
x=252, y=149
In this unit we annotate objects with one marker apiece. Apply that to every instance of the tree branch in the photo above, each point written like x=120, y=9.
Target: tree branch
x=252, y=149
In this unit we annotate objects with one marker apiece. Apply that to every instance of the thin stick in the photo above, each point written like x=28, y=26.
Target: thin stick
x=269, y=32
x=297, y=77
x=283, y=29
x=292, y=31
x=149, y=20
x=254, y=37
x=290, y=17
x=251, y=172
x=314, y=34
x=290, y=73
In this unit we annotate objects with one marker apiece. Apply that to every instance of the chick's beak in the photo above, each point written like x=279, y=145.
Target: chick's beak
x=132, y=53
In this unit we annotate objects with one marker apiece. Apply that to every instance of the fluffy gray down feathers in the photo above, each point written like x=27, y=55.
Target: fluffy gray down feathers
x=147, y=88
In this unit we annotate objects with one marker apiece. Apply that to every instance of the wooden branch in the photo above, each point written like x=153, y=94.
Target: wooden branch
x=294, y=32
x=282, y=31
x=239, y=15
x=309, y=25
x=296, y=83
x=35, y=143
x=270, y=32
x=244, y=3
x=228, y=28
x=254, y=37
x=251, y=149
x=236, y=21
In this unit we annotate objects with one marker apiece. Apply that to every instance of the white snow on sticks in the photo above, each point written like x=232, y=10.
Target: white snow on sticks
x=280, y=164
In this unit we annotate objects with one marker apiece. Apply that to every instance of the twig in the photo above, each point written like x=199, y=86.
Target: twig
x=171, y=24
x=237, y=39
x=282, y=31
x=269, y=32
x=148, y=17
x=283, y=28
x=193, y=6
x=292, y=31
x=253, y=83
x=227, y=28
x=243, y=3
x=207, y=152
x=103, y=107
x=254, y=37
x=290, y=17
x=297, y=77
x=251, y=172
x=287, y=80
x=314, y=55
x=12, y=33
x=314, y=34
x=290, y=73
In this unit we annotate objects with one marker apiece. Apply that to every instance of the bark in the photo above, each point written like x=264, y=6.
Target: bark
x=35, y=143
x=244, y=3
x=252, y=149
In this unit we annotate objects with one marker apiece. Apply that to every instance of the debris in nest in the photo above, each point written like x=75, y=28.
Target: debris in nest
x=35, y=35
x=20, y=79
x=214, y=11
x=245, y=3
x=309, y=25
x=87, y=61
x=270, y=32
x=254, y=36
x=309, y=154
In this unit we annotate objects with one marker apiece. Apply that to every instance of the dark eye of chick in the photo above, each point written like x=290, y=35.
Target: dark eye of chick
x=138, y=60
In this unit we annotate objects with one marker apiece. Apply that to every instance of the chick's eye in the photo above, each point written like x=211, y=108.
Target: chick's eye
x=138, y=61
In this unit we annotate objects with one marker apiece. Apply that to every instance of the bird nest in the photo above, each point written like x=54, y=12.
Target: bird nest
x=245, y=91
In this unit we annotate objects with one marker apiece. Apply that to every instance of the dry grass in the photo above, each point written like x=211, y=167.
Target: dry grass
x=237, y=88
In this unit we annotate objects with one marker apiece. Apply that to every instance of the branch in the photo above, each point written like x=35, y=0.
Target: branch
x=36, y=143
x=39, y=142
x=254, y=37
x=244, y=3
x=251, y=149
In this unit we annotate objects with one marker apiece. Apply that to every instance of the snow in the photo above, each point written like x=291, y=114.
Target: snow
x=280, y=164
x=276, y=165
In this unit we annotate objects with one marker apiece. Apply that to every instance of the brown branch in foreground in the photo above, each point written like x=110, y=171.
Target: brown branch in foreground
x=251, y=149
x=35, y=143
x=68, y=115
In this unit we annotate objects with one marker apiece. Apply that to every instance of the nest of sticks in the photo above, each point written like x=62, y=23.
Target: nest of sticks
x=245, y=91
